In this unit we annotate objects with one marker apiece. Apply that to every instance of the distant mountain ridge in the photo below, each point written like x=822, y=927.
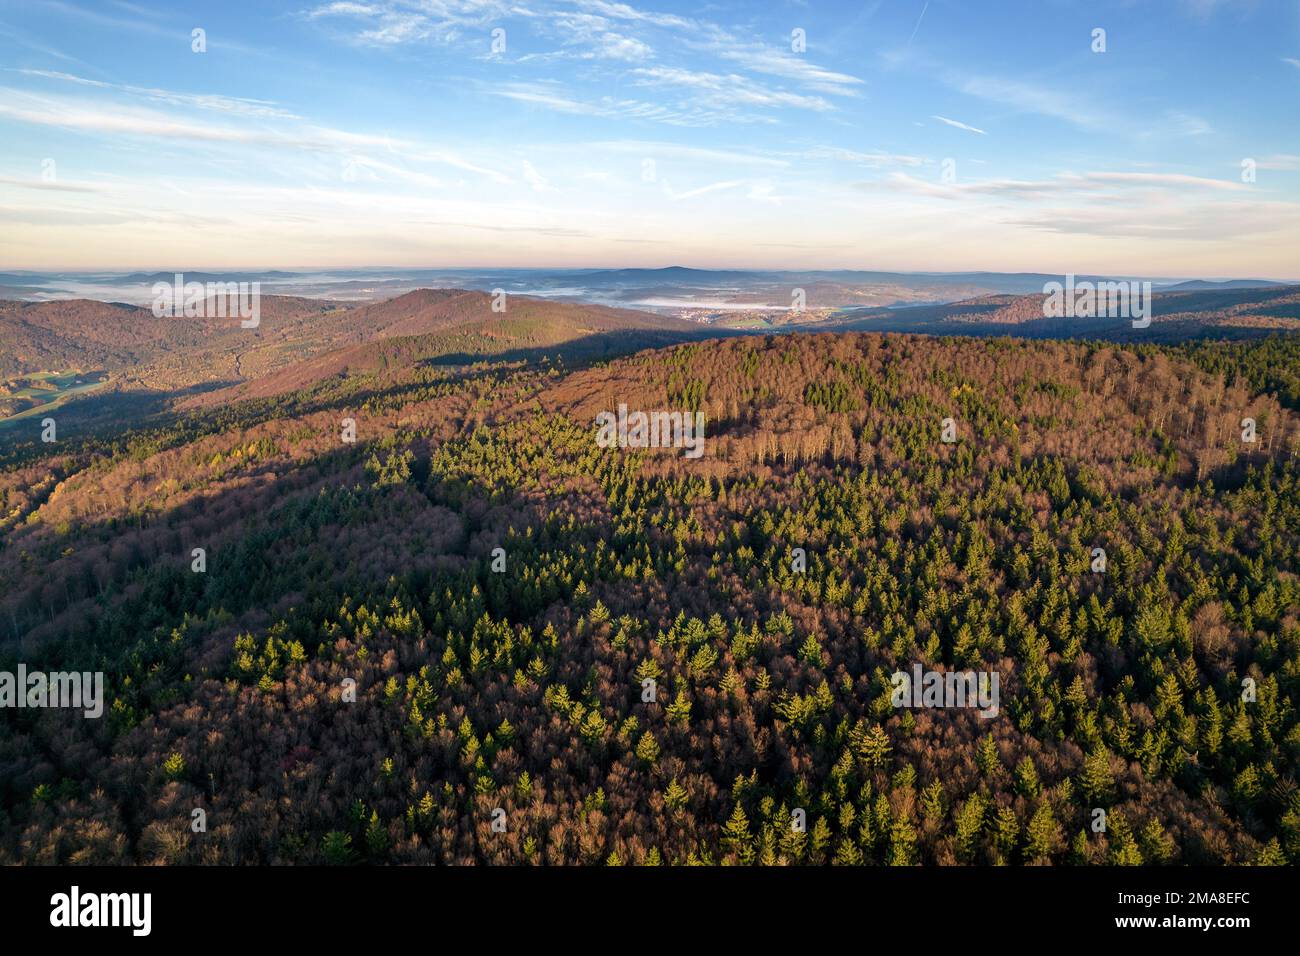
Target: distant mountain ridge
x=205, y=277
x=1176, y=315
x=673, y=289
x=1226, y=284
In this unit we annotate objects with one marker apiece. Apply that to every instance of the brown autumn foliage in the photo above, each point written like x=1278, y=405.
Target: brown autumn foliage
x=523, y=689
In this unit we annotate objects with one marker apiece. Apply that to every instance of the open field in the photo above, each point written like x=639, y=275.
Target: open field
x=40, y=393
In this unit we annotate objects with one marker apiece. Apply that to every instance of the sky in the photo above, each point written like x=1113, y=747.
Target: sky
x=916, y=135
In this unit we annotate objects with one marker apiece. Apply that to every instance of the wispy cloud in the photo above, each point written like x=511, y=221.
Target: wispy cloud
x=98, y=116
x=541, y=150
x=873, y=158
x=26, y=41
x=54, y=186
x=622, y=11
x=592, y=37
x=242, y=106
x=615, y=33
x=156, y=22
x=1104, y=204
x=396, y=22
x=535, y=179
x=653, y=149
x=1207, y=222
x=959, y=125
x=445, y=157
x=1180, y=123
x=616, y=46
x=553, y=96
x=723, y=91
x=775, y=62
x=1028, y=97
x=701, y=190
x=899, y=181
x=376, y=170
x=1066, y=182
x=1279, y=161
x=1167, y=179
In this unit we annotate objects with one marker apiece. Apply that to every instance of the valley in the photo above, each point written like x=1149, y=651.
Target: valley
x=28, y=396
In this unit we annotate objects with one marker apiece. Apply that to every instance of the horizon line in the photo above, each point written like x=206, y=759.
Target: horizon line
x=305, y=270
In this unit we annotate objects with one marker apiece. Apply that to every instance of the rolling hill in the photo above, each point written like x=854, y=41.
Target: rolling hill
x=130, y=340
x=828, y=537
x=451, y=327
x=1176, y=316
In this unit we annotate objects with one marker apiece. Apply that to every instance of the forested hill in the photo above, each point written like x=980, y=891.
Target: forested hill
x=1192, y=312
x=188, y=352
x=453, y=327
x=523, y=689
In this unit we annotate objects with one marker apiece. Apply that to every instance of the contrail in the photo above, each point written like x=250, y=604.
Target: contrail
x=918, y=22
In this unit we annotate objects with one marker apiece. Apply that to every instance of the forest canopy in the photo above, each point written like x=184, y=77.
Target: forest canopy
x=435, y=643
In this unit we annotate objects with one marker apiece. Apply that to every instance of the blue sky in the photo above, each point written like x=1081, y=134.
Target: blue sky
x=940, y=135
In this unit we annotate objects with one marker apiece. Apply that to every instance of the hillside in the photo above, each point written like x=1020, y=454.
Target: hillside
x=156, y=352
x=451, y=326
x=151, y=362
x=523, y=687
x=1176, y=316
